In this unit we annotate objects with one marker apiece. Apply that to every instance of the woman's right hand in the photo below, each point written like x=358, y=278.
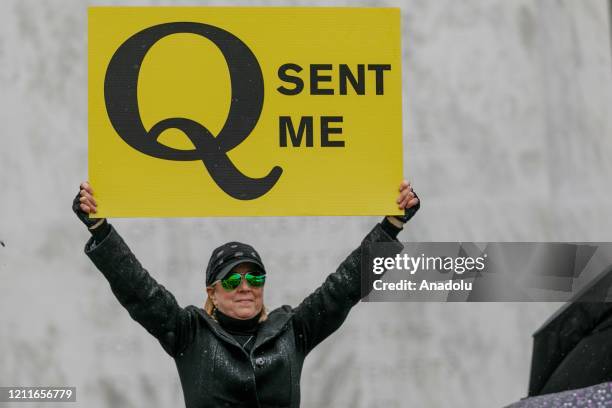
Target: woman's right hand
x=85, y=204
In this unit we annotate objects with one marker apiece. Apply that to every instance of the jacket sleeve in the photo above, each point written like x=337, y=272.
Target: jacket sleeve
x=322, y=312
x=147, y=302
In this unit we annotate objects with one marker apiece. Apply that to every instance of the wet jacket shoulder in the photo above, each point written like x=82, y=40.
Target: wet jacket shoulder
x=323, y=311
x=214, y=369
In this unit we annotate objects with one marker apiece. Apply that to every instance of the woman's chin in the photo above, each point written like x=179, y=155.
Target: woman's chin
x=246, y=312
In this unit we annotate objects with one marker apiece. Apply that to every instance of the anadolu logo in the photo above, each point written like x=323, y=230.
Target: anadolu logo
x=120, y=94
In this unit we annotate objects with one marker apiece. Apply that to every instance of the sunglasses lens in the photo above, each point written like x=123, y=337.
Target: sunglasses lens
x=231, y=282
x=256, y=281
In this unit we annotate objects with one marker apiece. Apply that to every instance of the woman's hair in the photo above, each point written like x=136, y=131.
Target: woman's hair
x=209, y=308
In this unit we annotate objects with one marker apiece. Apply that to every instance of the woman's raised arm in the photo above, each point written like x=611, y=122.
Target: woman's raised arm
x=147, y=302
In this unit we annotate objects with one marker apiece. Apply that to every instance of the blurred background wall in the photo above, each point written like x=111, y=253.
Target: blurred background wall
x=507, y=137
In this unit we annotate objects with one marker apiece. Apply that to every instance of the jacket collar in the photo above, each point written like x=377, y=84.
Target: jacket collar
x=275, y=323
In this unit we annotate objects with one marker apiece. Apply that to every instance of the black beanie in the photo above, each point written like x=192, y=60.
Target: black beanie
x=227, y=256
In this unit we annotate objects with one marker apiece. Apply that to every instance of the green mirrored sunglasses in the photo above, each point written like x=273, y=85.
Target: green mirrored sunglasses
x=232, y=281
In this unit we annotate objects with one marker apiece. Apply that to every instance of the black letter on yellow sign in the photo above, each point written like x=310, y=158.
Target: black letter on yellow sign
x=120, y=92
x=285, y=126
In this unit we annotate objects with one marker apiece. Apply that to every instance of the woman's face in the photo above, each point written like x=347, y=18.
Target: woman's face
x=244, y=302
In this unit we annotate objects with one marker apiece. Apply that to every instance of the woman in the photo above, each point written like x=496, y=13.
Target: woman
x=233, y=352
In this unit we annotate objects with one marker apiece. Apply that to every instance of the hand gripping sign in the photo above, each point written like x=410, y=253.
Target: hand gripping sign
x=244, y=111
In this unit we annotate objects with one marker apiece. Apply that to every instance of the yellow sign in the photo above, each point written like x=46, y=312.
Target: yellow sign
x=206, y=111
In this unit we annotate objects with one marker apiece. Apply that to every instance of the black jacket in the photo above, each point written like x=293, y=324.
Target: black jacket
x=214, y=369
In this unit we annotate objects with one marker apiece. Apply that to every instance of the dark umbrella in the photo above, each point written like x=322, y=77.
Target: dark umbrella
x=596, y=396
x=572, y=349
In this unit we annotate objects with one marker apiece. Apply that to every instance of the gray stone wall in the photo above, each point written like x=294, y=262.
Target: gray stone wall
x=507, y=135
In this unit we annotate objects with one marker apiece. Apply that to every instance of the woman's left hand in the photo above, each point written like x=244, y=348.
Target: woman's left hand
x=406, y=198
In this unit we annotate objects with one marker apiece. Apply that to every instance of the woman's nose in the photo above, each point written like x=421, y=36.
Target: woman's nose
x=244, y=285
